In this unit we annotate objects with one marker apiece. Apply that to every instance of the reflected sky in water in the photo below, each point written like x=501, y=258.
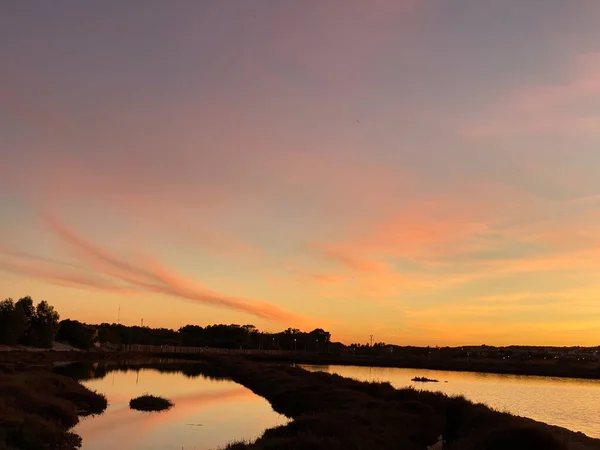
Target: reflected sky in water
x=207, y=413
x=569, y=403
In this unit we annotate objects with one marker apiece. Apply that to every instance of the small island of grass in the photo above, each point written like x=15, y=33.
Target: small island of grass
x=150, y=403
x=424, y=380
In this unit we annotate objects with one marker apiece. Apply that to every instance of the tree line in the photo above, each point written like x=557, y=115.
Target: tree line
x=230, y=336
x=23, y=323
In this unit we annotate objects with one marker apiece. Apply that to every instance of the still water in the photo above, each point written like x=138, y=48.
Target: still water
x=568, y=403
x=207, y=414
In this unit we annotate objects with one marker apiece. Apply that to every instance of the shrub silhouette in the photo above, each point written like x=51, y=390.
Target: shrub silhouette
x=150, y=403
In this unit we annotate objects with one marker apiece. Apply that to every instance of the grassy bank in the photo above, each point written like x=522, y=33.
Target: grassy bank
x=331, y=412
x=37, y=409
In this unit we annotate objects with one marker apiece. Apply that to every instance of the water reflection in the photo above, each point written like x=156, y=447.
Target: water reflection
x=207, y=414
x=569, y=403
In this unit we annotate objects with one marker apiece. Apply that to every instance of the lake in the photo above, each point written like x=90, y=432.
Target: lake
x=208, y=413
x=568, y=403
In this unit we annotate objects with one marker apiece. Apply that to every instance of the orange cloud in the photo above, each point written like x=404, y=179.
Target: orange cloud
x=426, y=232
x=432, y=246
x=348, y=259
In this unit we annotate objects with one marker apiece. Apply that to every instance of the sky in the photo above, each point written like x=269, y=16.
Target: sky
x=424, y=171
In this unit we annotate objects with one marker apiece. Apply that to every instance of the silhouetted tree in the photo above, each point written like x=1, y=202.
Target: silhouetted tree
x=76, y=334
x=26, y=304
x=222, y=336
x=13, y=323
x=117, y=333
x=321, y=338
x=44, y=325
x=26, y=309
x=107, y=335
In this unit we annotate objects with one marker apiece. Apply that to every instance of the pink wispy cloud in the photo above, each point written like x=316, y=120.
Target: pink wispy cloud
x=544, y=109
x=112, y=272
x=454, y=243
x=58, y=273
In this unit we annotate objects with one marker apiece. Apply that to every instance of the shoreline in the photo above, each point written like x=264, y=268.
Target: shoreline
x=322, y=404
x=585, y=371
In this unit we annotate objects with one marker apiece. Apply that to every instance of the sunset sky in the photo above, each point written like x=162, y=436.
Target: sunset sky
x=425, y=171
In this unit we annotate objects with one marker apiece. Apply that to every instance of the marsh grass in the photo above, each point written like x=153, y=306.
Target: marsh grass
x=331, y=412
x=150, y=403
x=37, y=409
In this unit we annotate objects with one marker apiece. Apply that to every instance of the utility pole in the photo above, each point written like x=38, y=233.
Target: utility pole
x=142, y=322
x=371, y=336
x=119, y=315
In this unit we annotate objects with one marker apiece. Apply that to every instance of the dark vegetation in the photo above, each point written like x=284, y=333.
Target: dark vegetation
x=331, y=412
x=24, y=323
x=76, y=334
x=150, y=403
x=217, y=336
x=37, y=408
x=424, y=380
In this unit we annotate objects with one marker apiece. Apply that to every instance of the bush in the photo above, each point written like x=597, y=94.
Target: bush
x=150, y=403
